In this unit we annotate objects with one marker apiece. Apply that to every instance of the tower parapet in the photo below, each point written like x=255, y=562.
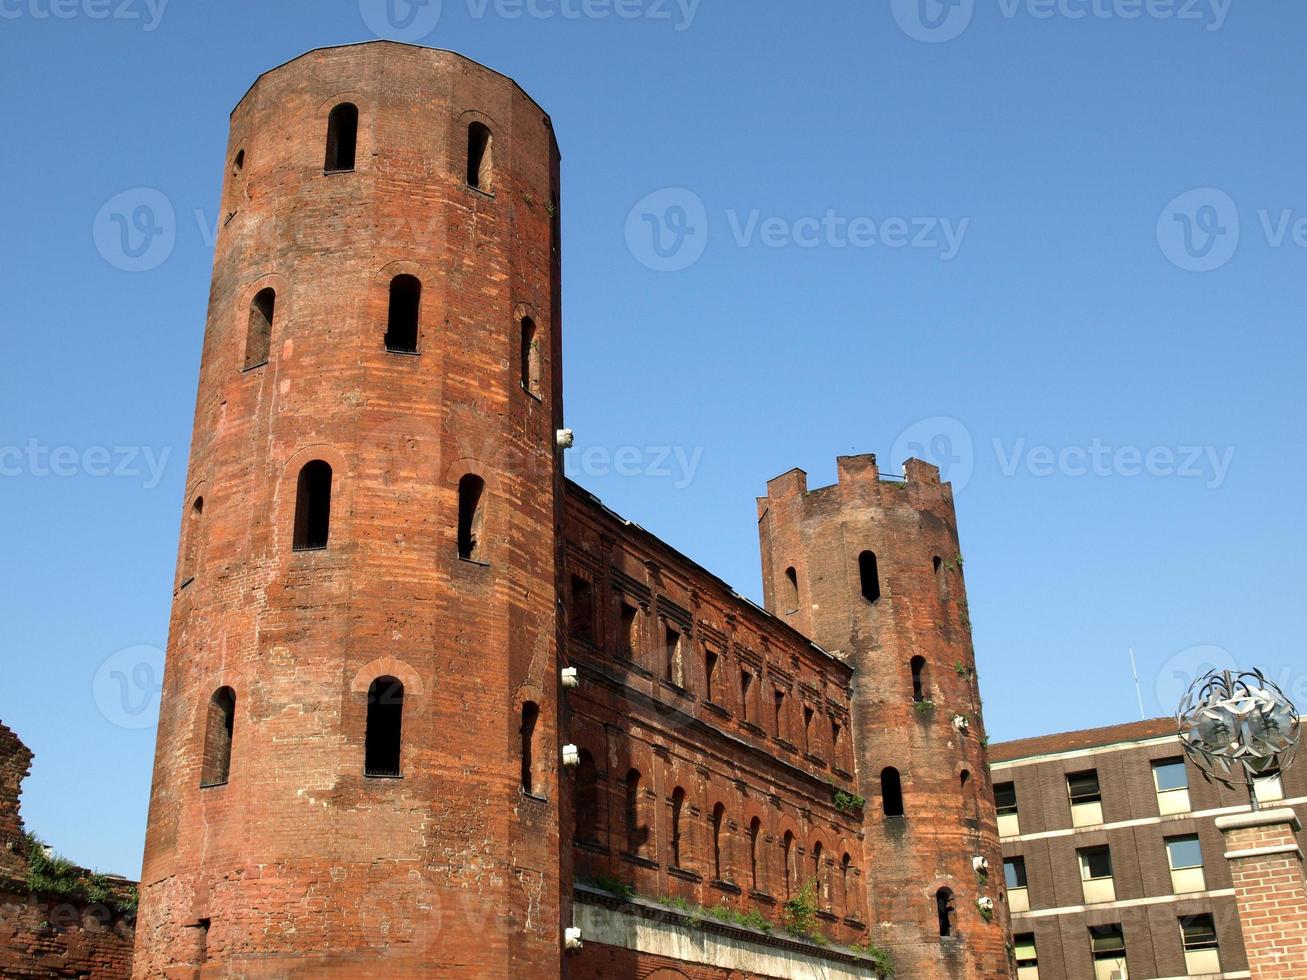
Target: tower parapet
x=871, y=569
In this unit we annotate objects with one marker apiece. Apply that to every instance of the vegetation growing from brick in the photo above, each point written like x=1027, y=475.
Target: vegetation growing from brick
x=849, y=803
x=51, y=875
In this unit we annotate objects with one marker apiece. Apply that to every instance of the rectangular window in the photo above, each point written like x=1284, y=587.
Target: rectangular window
x=710, y=675
x=1086, y=799
x=1185, y=856
x=1268, y=786
x=583, y=609
x=1172, y=782
x=1014, y=875
x=675, y=667
x=1023, y=950
x=1096, y=874
x=836, y=746
x=1005, y=795
x=807, y=730
x=628, y=631
x=1202, y=953
x=1107, y=944
x=778, y=700
x=746, y=694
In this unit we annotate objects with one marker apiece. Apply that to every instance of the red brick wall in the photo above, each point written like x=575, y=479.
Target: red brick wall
x=610, y=962
x=15, y=763
x=1272, y=895
x=42, y=939
x=911, y=528
x=300, y=861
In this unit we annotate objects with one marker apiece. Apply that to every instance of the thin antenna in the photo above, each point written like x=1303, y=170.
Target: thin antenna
x=1134, y=669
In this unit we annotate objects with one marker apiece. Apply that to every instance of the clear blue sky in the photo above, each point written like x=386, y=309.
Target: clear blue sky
x=1060, y=316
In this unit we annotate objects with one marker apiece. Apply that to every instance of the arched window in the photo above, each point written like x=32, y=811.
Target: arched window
x=718, y=822
x=530, y=716
x=221, y=721
x=755, y=830
x=891, y=792
x=238, y=164
x=587, y=800
x=678, y=807
x=480, y=159
x=918, y=679
x=191, y=553
x=944, y=909
x=385, y=727
x=968, y=787
x=791, y=590
x=869, y=576
x=313, y=507
x=530, y=357
x=405, y=307
x=258, y=336
x=818, y=880
x=471, y=517
x=342, y=138
x=787, y=863
x=636, y=835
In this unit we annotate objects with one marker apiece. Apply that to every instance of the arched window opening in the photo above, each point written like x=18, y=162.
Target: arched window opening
x=587, y=800
x=891, y=792
x=848, y=888
x=385, y=728
x=258, y=336
x=636, y=835
x=968, y=788
x=678, y=807
x=718, y=820
x=818, y=880
x=710, y=661
x=480, y=159
x=944, y=910
x=530, y=357
x=869, y=576
x=313, y=507
x=918, y=679
x=941, y=579
x=808, y=744
x=791, y=590
x=238, y=164
x=755, y=830
x=787, y=862
x=342, y=138
x=405, y=309
x=530, y=716
x=190, y=556
x=216, y=767
x=471, y=517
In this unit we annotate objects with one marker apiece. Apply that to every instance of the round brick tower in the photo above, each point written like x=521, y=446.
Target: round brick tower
x=357, y=761
x=871, y=570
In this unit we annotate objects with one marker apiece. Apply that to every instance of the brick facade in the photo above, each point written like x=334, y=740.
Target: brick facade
x=709, y=752
x=15, y=764
x=1148, y=904
x=1266, y=864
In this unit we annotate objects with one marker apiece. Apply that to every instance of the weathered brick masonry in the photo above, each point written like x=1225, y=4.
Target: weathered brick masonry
x=709, y=752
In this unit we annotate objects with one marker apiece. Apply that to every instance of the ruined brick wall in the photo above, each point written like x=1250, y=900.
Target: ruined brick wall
x=15, y=763
x=298, y=860
x=48, y=939
x=701, y=692
x=871, y=569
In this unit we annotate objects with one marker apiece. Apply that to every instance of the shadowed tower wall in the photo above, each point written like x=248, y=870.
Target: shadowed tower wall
x=871, y=569
x=271, y=850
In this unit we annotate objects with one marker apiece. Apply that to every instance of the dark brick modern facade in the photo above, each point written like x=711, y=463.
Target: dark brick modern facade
x=430, y=709
x=1156, y=816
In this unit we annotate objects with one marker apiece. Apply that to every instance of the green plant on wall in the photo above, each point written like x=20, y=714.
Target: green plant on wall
x=799, y=913
x=846, y=802
x=924, y=707
x=880, y=959
x=49, y=874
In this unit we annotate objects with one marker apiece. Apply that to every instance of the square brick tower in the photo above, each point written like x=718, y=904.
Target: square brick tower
x=871, y=570
x=364, y=639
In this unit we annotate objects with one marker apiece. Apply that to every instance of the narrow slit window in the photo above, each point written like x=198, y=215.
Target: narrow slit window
x=836, y=745
x=313, y=507
x=219, y=727
x=471, y=517
x=530, y=357
x=787, y=863
x=818, y=879
x=718, y=826
x=778, y=703
x=404, y=315
x=808, y=715
x=710, y=675
x=746, y=693
x=675, y=665
x=678, y=808
x=530, y=718
x=869, y=576
x=583, y=609
x=628, y=632
x=636, y=835
x=190, y=556
x=480, y=158
x=891, y=792
x=791, y=590
x=385, y=727
x=919, y=679
x=755, y=830
x=944, y=911
x=258, y=336
x=342, y=138
x=587, y=800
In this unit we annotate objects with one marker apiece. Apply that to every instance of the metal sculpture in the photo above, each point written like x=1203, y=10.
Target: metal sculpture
x=1238, y=726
